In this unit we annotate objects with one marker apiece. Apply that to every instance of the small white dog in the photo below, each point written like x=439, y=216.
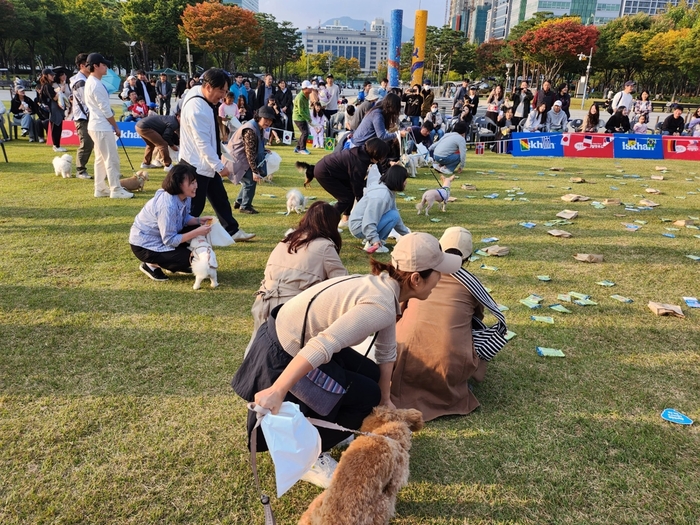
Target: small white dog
x=63, y=166
x=204, y=263
x=295, y=201
x=440, y=195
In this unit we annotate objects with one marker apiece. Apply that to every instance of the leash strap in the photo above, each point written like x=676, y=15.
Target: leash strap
x=264, y=498
x=125, y=153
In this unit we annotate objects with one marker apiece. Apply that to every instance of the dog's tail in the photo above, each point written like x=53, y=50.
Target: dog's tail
x=307, y=170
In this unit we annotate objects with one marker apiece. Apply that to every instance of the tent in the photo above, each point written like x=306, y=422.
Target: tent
x=169, y=72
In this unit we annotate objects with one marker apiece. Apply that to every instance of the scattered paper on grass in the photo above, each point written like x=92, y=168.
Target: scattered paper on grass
x=585, y=302
x=567, y=214
x=311, y=198
x=606, y=283
x=665, y=309
x=560, y=308
x=661, y=168
x=564, y=297
x=502, y=308
x=489, y=239
x=589, y=257
x=577, y=180
x=648, y=202
x=693, y=257
x=528, y=225
x=669, y=235
x=449, y=199
x=692, y=302
x=490, y=268
x=497, y=251
x=549, y=352
x=482, y=253
x=573, y=197
x=657, y=177
x=577, y=295
x=423, y=189
x=671, y=229
x=683, y=222
x=674, y=416
x=269, y=195
x=631, y=227
x=598, y=205
x=640, y=222
x=474, y=258
x=468, y=187
x=509, y=335
x=491, y=196
x=542, y=319
x=612, y=202
x=652, y=191
x=544, y=278
x=530, y=304
x=435, y=219
x=281, y=213
x=411, y=198
x=621, y=298
x=559, y=233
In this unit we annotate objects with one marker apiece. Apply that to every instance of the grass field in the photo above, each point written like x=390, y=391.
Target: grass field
x=115, y=405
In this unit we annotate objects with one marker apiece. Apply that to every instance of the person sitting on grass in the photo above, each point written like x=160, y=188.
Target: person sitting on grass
x=162, y=230
x=376, y=214
x=450, y=151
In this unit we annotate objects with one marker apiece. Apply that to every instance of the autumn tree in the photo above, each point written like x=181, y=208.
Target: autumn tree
x=347, y=68
x=223, y=31
x=489, y=60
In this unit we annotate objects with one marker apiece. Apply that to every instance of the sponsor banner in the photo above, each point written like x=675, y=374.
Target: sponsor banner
x=681, y=148
x=638, y=147
x=129, y=136
x=597, y=145
x=69, y=137
x=537, y=145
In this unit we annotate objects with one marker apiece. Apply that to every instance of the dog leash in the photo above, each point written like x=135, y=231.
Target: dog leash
x=264, y=498
x=125, y=153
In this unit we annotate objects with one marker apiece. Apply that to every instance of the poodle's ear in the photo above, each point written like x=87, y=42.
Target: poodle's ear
x=414, y=419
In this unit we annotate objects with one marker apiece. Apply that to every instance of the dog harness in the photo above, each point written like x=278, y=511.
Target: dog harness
x=444, y=193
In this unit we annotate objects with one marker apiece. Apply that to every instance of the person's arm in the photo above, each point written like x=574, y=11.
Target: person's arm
x=377, y=120
x=272, y=397
x=250, y=147
x=332, y=265
x=202, y=134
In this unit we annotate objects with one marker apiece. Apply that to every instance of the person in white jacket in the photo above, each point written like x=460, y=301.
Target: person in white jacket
x=376, y=214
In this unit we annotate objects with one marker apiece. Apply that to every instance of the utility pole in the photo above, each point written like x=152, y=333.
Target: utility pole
x=439, y=57
x=581, y=56
x=189, y=58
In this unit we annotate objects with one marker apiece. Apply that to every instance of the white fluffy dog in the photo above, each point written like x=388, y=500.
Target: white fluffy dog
x=295, y=201
x=204, y=263
x=63, y=166
x=440, y=195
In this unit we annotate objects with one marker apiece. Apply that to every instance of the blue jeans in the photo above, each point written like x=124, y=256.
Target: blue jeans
x=439, y=132
x=387, y=223
x=415, y=121
x=451, y=161
x=248, y=185
x=410, y=146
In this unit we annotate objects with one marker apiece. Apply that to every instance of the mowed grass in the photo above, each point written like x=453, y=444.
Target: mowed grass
x=115, y=404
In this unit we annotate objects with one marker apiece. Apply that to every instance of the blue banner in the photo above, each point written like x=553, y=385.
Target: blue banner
x=130, y=138
x=638, y=147
x=537, y=145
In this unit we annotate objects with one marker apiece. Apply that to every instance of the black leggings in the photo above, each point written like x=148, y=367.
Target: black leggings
x=177, y=260
x=56, y=130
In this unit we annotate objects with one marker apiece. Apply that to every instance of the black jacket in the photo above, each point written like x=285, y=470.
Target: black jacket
x=285, y=100
x=348, y=164
x=673, y=124
x=15, y=106
x=260, y=95
x=525, y=97
x=168, y=89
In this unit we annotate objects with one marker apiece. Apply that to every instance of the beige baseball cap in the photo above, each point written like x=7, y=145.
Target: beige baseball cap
x=420, y=251
x=459, y=238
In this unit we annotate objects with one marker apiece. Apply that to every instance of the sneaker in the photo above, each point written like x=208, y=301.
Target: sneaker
x=241, y=236
x=41, y=141
x=343, y=223
x=147, y=166
x=436, y=166
x=99, y=194
x=25, y=132
x=156, y=164
x=58, y=149
x=236, y=205
x=83, y=175
x=304, y=152
x=120, y=193
x=382, y=249
x=445, y=170
x=156, y=274
x=322, y=471
x=166, y=169
x=250, y=210
x=31, y=140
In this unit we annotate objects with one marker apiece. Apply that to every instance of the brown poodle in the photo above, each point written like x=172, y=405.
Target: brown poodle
x=370, y=474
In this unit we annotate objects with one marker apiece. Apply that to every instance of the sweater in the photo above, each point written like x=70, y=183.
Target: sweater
x=449, y=144
x=301, y=112
x=367, y=213
x=371, y=126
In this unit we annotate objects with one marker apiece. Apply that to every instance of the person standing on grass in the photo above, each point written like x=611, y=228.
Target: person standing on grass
x=200, y=147
x=164, y=90
x=333, y=91
x=48, y=96
x=81, y=115
x=102, y=127
x=302, y=116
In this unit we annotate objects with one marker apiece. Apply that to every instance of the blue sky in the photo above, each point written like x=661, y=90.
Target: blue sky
x=303, y=13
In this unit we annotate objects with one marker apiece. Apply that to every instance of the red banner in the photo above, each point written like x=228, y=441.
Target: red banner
x=681, y=148
x=597, y=145
x=69, y=137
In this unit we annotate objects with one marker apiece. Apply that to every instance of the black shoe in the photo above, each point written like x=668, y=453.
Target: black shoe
x=250, y=211
x=156, y=274
x=236, y=205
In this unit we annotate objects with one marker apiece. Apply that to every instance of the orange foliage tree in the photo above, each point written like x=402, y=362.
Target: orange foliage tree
x=223, y=31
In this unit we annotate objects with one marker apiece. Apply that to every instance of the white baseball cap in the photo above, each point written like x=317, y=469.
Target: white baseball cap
x=420, y=251
x=557, y=103
x=306, y=85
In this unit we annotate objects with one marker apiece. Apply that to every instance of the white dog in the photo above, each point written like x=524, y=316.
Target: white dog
x=204, y=263
x=441, y=195
x=295, y=201
x=63, y=166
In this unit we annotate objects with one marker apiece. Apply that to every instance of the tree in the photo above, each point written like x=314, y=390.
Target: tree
x=31, y=25
x=488, y=58
x=224, y=31
x=8, y=31
x=347, y=68
x=280, y=44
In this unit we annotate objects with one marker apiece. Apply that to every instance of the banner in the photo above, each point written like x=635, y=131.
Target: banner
x=681, y=148
x=537, y=145
x=69, y=137
x=597, y=145
x=638, y=147
x=129, y=136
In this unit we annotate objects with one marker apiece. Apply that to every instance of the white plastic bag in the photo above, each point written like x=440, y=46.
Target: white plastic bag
x=218, y=236
x=293, y=442
x=273, y=161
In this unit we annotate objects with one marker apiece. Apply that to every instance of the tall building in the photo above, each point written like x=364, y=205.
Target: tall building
x=470, y=17
x=368, y=47
x=651, y=7
x=250, y=5
x=596, y=12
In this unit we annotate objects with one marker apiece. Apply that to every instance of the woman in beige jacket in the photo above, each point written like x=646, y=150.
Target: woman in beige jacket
x=308, y=255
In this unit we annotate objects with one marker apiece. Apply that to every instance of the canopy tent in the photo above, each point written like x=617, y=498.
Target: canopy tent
x=167, y=71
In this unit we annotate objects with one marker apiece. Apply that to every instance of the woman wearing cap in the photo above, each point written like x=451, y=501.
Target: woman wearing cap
x=344, y=312
x=436, y=351
x=48, y=97
x=247, y=148
x=376, y=214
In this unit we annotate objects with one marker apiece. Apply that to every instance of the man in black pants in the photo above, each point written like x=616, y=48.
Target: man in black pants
x=200, y=147
x=80, y=116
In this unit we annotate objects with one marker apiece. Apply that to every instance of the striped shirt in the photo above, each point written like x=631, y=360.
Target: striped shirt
x=158, y=224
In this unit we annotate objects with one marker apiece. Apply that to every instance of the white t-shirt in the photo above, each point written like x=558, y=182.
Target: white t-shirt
x=333, y=96
x=97, y=102
x=623, y=99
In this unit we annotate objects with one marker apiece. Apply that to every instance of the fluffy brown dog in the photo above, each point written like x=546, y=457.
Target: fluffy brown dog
x=370, y=473
x=136, y=182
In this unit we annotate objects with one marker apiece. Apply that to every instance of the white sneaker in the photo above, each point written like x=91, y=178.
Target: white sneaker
x=382, y=249
x=343, y=223
x=156, y=164
x=41, y=141
x=371, y=248
x=59, y=150
x=241, y=236
x=445, y=170
x=99, y=194
x=436, y=166
x=120, y=193
x=166, y=169
x=321, y=472
x=147, y=166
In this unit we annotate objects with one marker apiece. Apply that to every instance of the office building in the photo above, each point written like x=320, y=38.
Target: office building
x=596, y=12
x=250, y=5
x=651, y=7
x=470, y=18
x=368, y=47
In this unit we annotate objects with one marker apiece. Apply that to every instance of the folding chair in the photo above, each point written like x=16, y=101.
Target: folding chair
x=4, y=153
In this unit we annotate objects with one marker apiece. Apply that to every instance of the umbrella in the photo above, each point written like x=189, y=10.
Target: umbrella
x=112, y=81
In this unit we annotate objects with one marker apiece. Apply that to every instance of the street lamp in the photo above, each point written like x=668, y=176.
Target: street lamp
x=508, y=66
x=131, y=45
x=439, y=57
x=581, y=56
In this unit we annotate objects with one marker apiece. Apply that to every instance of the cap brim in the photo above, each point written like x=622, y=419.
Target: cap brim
x=450, y=263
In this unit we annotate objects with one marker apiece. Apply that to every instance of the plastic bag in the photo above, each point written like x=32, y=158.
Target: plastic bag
x=273, y=161
x=218, y=236
x=293, y=442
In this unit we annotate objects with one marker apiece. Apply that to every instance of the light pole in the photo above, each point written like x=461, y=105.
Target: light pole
x=581, y=56
x=131, y=45
x=508, y=66
x=189, y=58
x=439, y=57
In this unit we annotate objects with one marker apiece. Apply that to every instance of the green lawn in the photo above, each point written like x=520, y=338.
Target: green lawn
x=115, y=404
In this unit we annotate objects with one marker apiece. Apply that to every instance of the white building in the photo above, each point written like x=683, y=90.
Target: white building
x=250, y=5
x=368, y=47
x=652, y=7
